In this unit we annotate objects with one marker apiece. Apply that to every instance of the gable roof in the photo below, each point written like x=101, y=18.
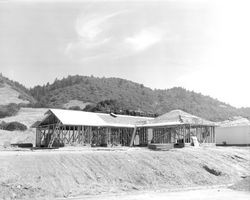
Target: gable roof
x=124, y=120
x=178, y=117
x=82, y=118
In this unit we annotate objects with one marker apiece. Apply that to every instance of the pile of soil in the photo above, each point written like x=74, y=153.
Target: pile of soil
x=242, y=185
x=64, y=173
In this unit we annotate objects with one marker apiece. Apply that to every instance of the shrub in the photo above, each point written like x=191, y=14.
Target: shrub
x=12, y=126
x=3, y=124
x=9, y=110
x=74, y=108
x=24, y=97
x=212, y=171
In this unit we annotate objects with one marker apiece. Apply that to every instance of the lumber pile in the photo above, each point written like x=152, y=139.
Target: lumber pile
x=161, y=147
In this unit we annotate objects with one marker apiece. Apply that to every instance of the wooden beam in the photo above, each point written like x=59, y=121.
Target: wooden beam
x=133, y=137
x=184, y=134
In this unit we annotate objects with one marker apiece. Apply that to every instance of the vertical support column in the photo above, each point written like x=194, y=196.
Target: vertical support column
x=108, y=140
x=190, y=133
x=85, y=137
x=174, y=132
x=78, y=135
x=90, y=135
x=83, y=134
x=38, y=137
x=64, y=132
x=59, y=135
x=150, y=135
x=133, y=137
x=214, y=134
x=69, y=135
x=211, y=135
x=198, y=133
x=184, y=135
x=73, y=140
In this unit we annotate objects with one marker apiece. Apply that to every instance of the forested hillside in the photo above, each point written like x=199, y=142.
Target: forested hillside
x=102, y=92
x=111, y=95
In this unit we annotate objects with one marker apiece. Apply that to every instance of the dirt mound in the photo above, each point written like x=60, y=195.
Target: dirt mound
x=242, y=185
x=64, y=173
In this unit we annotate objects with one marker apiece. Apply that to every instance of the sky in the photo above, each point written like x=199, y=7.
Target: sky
x=201, y=45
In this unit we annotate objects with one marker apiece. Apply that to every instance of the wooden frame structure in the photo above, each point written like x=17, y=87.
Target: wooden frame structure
x=182, y=134
x=82, y=135
x=53, y=132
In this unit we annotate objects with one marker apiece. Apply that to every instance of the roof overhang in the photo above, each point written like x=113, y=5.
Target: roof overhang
x=81, y=118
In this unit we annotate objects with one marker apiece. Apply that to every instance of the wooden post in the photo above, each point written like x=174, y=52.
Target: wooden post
x=82, y=134
x=214, y=134
x=90, y=135
x=108, y=136
x=133, y=137
x=63, y=136
x=73, y=134
x=38, y=137
x=174, y=134
x=211, y=134
x=189, y=131
x=184, y=135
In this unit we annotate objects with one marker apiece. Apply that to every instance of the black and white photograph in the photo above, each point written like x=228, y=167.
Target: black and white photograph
x=124, y=99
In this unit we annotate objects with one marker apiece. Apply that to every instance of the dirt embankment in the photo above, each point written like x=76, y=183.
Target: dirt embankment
x=50, y=174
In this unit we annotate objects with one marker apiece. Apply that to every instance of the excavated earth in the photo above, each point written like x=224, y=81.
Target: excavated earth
x=72, y=172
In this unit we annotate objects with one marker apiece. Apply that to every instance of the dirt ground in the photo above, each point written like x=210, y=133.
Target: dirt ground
x=74, y=172
x=193, y=194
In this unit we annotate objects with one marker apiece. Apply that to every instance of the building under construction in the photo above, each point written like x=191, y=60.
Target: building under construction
x=68, y=127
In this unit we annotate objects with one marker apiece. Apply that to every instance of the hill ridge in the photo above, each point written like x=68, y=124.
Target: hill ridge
x=120, y=95
x=128, y=95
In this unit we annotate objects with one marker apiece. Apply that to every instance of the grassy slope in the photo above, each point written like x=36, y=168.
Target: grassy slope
x=9, y=95
x=27, y=116
x=71, y=173
x=13, y=92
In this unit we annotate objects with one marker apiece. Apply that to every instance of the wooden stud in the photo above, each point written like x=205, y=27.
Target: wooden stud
x=133, y=137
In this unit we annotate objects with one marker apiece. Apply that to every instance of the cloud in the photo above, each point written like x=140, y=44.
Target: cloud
x=116, y=34
x=145, y=38
x=96, y=36
x=90, y=27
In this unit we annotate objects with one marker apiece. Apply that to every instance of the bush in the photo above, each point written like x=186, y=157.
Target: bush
x=12, y=126
x=9, y=110
x=3, y=124
x=74, y=108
